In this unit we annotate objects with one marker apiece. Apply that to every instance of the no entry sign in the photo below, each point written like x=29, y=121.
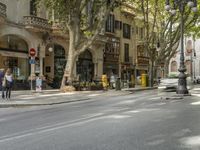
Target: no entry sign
x=32, y=52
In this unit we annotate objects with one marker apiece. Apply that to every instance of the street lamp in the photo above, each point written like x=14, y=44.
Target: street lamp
x=181, y=4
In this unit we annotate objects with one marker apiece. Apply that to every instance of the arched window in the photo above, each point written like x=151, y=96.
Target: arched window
x=188, y=66
x=33, y=8
x=85, y=66
x=189, y=48
x=14, y=55
x=13, y=42
x=174, y=66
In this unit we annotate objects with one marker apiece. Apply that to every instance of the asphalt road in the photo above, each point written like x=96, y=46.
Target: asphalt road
x=138, y=121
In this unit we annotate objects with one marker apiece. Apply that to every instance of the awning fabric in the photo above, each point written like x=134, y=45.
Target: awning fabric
x=13, y=54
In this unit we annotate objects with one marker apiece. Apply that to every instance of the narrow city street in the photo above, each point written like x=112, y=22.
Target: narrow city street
x=136, y=121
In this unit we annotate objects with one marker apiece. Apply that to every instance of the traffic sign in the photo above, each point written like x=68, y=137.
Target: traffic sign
x=31, y=61
x=32, y=52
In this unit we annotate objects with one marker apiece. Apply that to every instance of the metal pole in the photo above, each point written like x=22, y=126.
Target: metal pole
x=182, y=83
x=171, y=34
x=31, y=82
x=194, y=54
x=191, y=65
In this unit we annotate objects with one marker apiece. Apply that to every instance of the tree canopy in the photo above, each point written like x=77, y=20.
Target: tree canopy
x=82, y=20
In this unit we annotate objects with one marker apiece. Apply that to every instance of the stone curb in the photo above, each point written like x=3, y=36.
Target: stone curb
x=6, y=105
x=141, y=89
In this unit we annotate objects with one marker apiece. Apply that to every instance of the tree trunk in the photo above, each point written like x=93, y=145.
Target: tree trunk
x=166, y=68
x=69, y=67
x=151, y=73
x=68, y=73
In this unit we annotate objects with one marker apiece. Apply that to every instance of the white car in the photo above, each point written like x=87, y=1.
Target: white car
x=197, y=80
x=172, y=83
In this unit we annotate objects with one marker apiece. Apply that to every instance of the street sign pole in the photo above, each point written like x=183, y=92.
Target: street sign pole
x=32, y=61
x=31, y=82
x=32, y=53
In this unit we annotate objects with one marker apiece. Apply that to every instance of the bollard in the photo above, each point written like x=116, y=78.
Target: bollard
x=118, y=84
x=132, y=81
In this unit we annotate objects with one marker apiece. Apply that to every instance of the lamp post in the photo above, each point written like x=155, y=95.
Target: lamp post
x=181, y=4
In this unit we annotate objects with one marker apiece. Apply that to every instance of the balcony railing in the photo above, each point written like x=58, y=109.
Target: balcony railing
x=142, y=60
x=128, y=60
x=2, y=10
x=36, y=23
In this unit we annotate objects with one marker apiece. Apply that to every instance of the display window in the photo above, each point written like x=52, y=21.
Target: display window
x=14, y=55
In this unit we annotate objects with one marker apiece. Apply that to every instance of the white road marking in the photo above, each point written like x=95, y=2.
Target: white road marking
x=58, y=126
x=48, y=128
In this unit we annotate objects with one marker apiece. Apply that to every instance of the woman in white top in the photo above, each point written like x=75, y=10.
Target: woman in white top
x=9, y=82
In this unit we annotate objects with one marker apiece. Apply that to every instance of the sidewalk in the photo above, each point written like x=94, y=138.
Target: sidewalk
x=52, y=97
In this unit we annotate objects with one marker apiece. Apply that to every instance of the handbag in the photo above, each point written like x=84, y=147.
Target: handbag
x=5, y=82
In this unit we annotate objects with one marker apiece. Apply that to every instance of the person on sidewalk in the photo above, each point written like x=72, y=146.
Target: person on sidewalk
x=2, y=73
x=7, y=83
x=112, y=81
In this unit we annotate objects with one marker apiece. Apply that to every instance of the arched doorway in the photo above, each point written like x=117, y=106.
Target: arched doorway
x=55, y=62
x=59, y=63
x=174, y=66
x=85, y=66
x=14, y=55
x=188, y=66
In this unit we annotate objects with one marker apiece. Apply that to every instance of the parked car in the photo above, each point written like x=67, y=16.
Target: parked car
x=197, y=79
x=171, y=83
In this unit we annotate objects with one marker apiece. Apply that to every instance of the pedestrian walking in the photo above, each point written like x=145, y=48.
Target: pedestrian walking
x=2, y=72
x=7, y=83
x=112, y=81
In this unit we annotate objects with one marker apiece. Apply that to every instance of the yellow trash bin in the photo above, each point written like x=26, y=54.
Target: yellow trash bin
x=104, y=81
x=144, y=81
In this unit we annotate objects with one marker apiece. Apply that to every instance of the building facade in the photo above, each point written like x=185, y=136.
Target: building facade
x=192, y=58
x=124, y=53
x=24, y=26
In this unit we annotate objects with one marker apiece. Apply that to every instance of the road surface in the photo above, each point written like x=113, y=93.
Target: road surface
x=137, y=121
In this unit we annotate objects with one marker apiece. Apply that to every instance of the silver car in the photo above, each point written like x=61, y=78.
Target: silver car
x=172, y=83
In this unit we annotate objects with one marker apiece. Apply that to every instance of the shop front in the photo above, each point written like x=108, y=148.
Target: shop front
x=85, y=67
x=14, y=55
x=111, y=57
x=54, y=63
x=128, y=75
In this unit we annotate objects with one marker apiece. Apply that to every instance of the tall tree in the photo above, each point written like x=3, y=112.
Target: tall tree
x=82, y=20
x=161, y=30
x=169, y=37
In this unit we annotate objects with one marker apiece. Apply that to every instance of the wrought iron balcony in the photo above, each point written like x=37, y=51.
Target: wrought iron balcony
x=2, y=12
x=36, y=24
x=128, y=60
x=142, y=60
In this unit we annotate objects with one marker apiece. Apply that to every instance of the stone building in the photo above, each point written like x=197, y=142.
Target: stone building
x=124, y=53
x=192, y=58
x=23, y=26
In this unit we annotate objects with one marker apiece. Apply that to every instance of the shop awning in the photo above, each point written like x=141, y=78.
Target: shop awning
x=13, y=54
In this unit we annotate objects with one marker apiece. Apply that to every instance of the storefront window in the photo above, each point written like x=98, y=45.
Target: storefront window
x=85, y=66
x=14, y=55
x=59, y=63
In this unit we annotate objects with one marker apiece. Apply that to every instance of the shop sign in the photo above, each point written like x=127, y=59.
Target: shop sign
x=143, y=60
x=32, y=52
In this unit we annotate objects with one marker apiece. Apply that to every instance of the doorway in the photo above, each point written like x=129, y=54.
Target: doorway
x=85, y=67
